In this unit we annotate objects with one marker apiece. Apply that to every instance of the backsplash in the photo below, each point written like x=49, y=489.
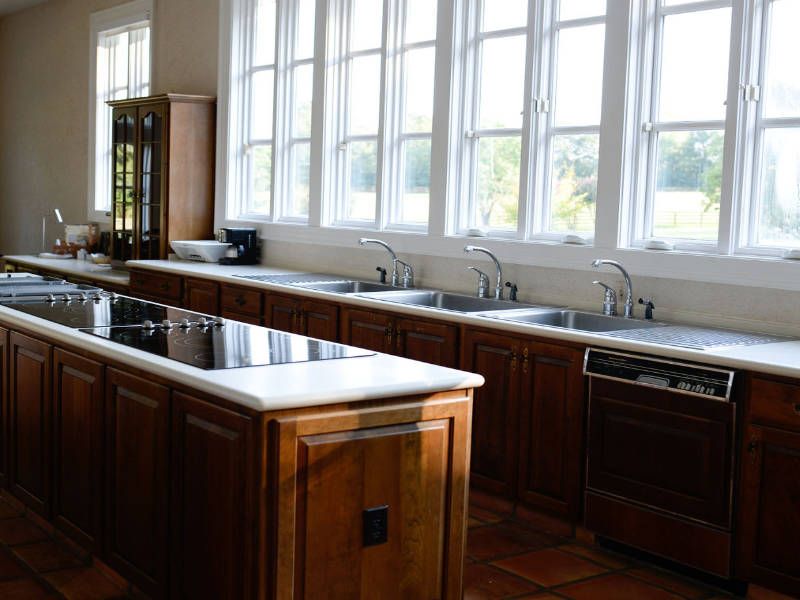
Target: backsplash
x=709, y=304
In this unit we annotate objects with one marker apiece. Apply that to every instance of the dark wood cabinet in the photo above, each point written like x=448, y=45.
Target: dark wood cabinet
x=552, y=410
x=367, y=329
x=78, y=394
x=162, y=173
x=30, y=420
x=495, y=411
x=313, y=318
x=241, y=304
x=3, y=406
x=201, y=295
x=137, y=481
x=769, y=506
x=213, y=526
x=164, y=288
x=418, y=339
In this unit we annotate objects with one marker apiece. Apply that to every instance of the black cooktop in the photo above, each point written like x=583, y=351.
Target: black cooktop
x=226, y=346
x=106, y=312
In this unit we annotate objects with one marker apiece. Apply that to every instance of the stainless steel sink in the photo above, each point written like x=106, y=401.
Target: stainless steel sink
x=446, y=301
x=573, y=319
x=346, y=287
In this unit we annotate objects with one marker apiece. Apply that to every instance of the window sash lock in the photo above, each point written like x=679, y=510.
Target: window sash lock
x=751, y=93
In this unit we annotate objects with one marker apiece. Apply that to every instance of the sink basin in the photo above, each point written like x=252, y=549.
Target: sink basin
x=445, y=301
x=573, y=319
x=346, y=287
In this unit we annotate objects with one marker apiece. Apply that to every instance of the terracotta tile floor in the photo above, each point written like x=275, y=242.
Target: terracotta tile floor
x=35, y=564
x=510, y=559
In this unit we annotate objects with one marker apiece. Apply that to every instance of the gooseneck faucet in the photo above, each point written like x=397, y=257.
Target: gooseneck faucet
x=628, y=311
x=498, y=290
x=407, y=279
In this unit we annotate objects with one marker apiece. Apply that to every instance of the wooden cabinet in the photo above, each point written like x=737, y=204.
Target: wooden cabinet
x=551, y=446
x=29, y=421
x=78, y=394
x=162, y=173
x=137, y=482
x=241, y=304
x=495, y=411
x=3, y=406
x=418, y=339
x=165, y=288
x=201, y=295
x=365, y=504
x=769, y=507
x=213, y=526
x=298, y=315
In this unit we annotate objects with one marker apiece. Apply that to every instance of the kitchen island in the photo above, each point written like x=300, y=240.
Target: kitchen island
x=339, y=478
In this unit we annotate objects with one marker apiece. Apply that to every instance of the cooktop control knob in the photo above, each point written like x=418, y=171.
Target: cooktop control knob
x=202, y=322
x=83, y=297
x=50, y=298
x=185, y=324
x=97, y=297
x=66, y=298
x=148, y=324
x=166, y=324
x=219, y=321
x=113, y=295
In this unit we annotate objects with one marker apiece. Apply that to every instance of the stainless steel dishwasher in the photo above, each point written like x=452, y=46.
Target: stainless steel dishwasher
x=661, y=457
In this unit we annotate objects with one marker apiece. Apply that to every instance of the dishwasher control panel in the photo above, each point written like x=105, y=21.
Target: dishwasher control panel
x=650, y=371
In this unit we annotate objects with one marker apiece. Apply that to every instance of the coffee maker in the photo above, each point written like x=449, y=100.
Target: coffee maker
x=242, y=239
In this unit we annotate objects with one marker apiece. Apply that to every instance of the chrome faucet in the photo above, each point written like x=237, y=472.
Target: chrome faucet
x=483, y=282
x=628, y=310
x=498, y=290
x=407, y=279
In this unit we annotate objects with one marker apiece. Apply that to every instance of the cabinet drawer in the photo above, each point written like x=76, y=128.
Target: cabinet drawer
x=775, y=403
x=241, y=300
x=158, y=285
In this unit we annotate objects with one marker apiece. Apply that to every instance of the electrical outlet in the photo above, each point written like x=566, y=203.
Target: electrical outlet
x=376, y=525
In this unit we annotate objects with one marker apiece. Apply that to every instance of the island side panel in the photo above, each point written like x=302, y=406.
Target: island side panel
x=406, y=461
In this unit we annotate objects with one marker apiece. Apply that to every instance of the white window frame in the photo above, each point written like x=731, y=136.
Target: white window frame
x=754, y=125
x=129, y=15
x=648, y=128
x=234, y=160
x=537, y=130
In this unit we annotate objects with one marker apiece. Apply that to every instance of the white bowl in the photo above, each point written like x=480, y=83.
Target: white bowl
x=204, y=250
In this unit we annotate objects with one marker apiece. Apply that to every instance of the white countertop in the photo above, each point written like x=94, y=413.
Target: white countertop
x=274, y=387
x=79, y=268
x=781, y=358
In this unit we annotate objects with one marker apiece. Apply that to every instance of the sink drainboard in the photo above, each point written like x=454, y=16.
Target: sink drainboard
x=696, y=337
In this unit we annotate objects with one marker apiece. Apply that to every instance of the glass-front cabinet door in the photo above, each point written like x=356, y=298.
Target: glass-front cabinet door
x=123, y=183
x=149, y=213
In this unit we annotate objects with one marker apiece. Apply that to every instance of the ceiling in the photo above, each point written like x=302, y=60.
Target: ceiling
x=10, y=6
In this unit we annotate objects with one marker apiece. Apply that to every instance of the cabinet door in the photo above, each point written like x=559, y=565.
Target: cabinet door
x=137, y=416
x=78, y=447
x=495, y=414
x=320, y=320
x=769, y=511
x=551, y=428
x=30, y=420
x=369, y=330
x=3, y=406
x=149, y=219
x=282, y=312
x=202, y=296
x=212, y=523
x=123, y=181
x=428, y=342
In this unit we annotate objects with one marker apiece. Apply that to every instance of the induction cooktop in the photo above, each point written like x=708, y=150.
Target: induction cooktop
x=108, y=310
x=223, y=344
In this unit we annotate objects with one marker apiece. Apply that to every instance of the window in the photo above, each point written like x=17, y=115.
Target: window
x=773, y=215
x=532, y=97
x=271, y=92
x=682, y=130
x=120, y=69
x=386, y=79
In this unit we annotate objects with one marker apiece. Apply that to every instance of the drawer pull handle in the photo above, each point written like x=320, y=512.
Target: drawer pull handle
x=797, y=408
x=239, y=300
